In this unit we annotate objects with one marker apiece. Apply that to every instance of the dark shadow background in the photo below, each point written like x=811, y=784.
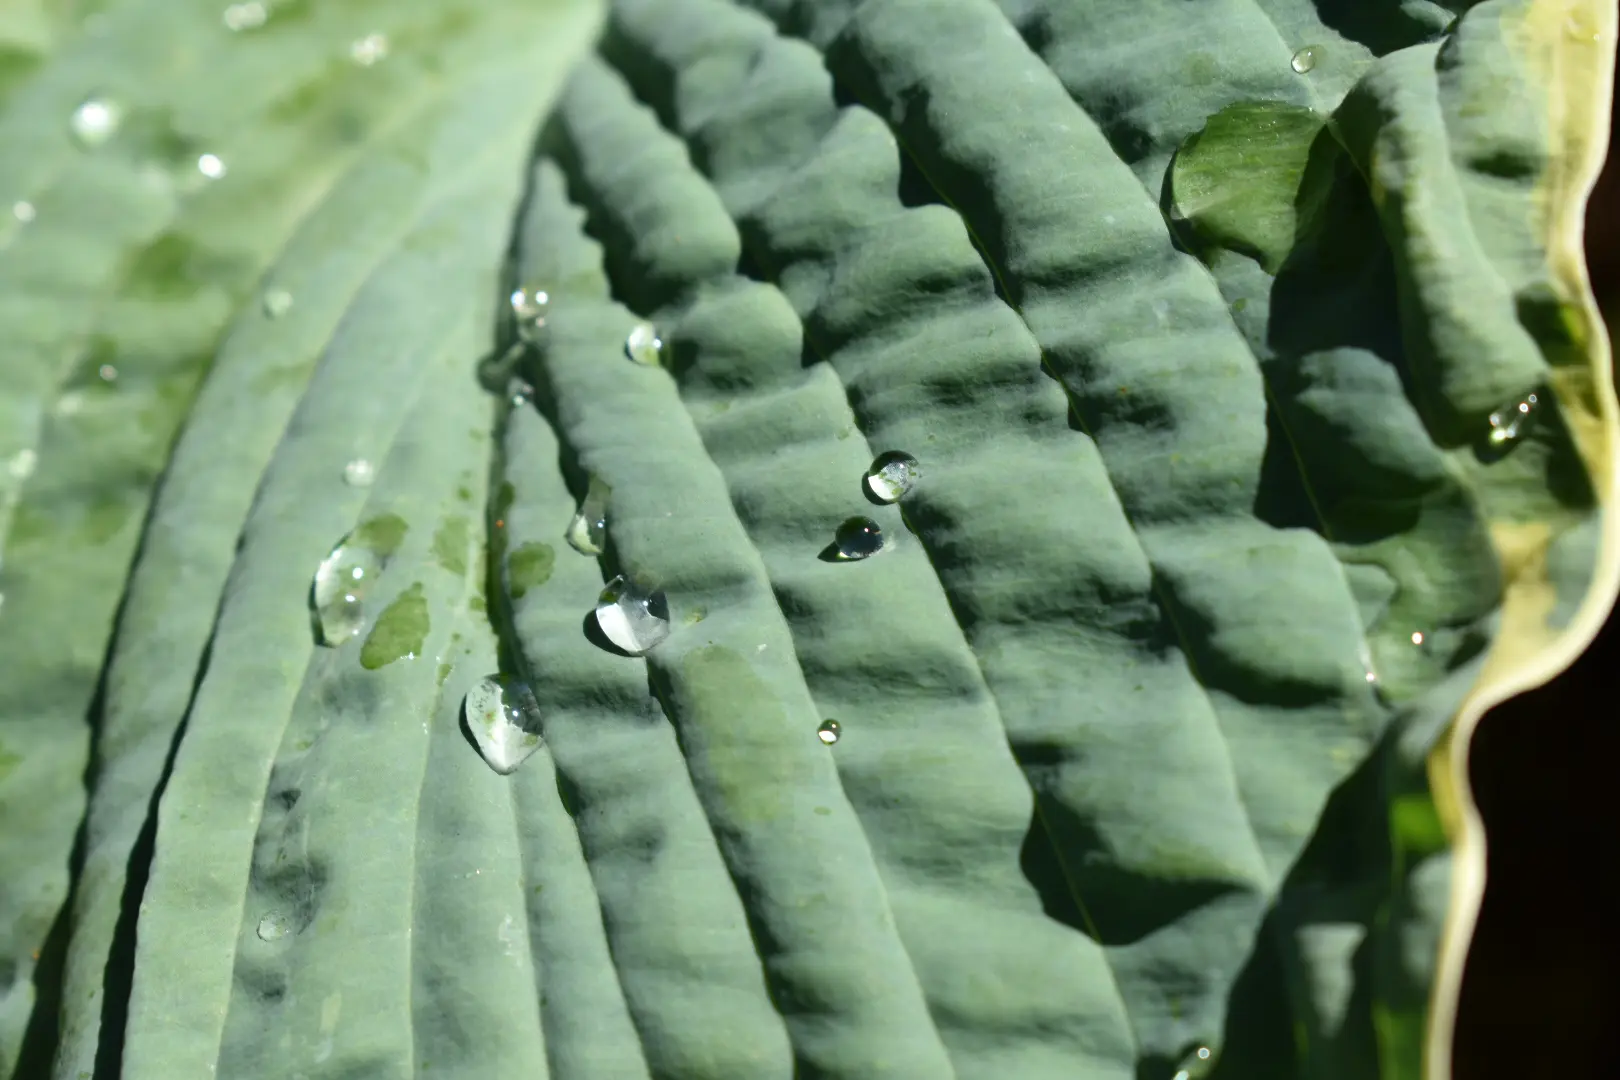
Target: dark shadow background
x=1541, y=991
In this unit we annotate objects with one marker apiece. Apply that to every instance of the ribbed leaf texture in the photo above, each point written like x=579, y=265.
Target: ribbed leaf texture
x=1264, y=437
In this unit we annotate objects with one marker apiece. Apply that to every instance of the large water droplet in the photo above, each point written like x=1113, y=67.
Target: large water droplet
x=95, y=121
x=277, y=302
x=23, y=211
x=21, y=465
x=359, y=473
x=829, y=731
x=504, y=721
x=530, y=305
x=342, y=582
x=369, y=50
x=239, y=17
x=275, y=925
x=348, y=574
x=644, y=346
x=892, y=475
x=631, y=616
x=858, y=538
x=1304, y=60
x=588, y=531
x=1511, y=421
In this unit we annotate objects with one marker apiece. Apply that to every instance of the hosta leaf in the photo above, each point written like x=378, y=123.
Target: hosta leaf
x=1263, y=438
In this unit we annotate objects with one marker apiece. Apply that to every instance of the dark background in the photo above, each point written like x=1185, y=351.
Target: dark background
x=1541, y=992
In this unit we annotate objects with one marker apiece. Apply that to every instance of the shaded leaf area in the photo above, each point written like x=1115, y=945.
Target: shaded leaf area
x=349, y=191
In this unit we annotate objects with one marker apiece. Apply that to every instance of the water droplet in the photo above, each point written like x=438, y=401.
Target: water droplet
x=530, y=305
x=1306, y=59
x=95, y=121
x=1417, y=637
x=211, y=166
x=359, y=473
x=644, y=346
x=588, y=531
x=1510, y=421
x=504, y=720
x=1203, y=1053
x=275, y=925
x=239, y=17
x=858, y=538
x=892, y=475
x=633, y=617
x=369, y=50
x=277, y=302
x=23, y=211
x=522, y=393
x=107, y=373
x=347, y=575
x=829, y=731
x=22, y=463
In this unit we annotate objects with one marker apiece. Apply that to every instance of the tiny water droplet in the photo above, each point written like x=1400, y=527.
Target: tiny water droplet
x=891, y=475
x=1203, y=1053
x=1417, y=637
x=1304, y=60
x=275, y=925
x=107, y=373
x=522, y=393
x=1510, y=421
x=22, y=463
x=858, y=538
x=277, y=302
x=644, y=346
x=504, y=720
x=211, y=166
x=23, y=211
x=530, y=304
x=240, y=17
x=588, y=531
x=829, y=731
x=95, y=121
x=369, y=50
x=633, y=617
x=359, y=473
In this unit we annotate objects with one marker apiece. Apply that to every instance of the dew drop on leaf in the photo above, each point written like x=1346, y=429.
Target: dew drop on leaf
x=23, y=211
x=107, y=373
x=211, y=166
x=277, y=302
x=274, y=926
x=239, y=17
x=644, y=346
x=588, y=531
x=858, y=538
x=530, y=305
x=359, y=473
x=892, y=475
x=1511, y=421
x=631, y=616
x=829, y=731
x=503, y=719
x=347, y=576
x=369, y=50
x=95, y=121
x=1305, y=59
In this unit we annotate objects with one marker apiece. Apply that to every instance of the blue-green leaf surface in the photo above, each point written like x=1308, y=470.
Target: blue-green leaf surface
x=1203, y=322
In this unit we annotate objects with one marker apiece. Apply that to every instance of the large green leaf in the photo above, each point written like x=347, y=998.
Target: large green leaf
x=1199, y=320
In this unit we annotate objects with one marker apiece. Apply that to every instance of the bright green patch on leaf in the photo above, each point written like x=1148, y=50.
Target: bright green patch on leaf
x=529, y=567
x=450, y=544
x=399, y=630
